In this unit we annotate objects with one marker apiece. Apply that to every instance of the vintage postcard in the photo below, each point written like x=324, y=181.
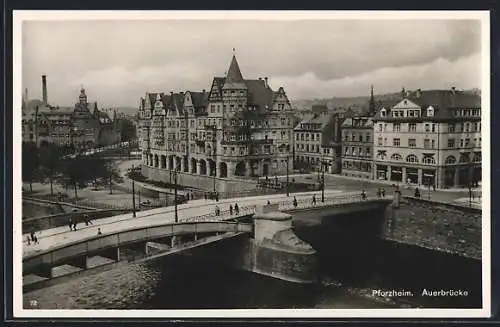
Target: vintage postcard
x=251, y=164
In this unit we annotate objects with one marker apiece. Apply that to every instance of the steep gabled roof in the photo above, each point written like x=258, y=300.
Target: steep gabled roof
x=259, y=94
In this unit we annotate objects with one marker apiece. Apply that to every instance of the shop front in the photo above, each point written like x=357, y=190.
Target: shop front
x=429, y=177
x=382, y=172
x=412, y=175
x=396, y=174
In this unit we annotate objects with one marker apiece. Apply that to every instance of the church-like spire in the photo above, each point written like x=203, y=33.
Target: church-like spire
x=96, y=110
x=371, y=104
x=83, y=96
x=234, y=73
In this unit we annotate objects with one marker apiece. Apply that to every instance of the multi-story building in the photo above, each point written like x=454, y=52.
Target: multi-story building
x=429, y=138
x=357, y=143
x=357, y=147
x=83, y=126
x=317, y=143
x=240, y=127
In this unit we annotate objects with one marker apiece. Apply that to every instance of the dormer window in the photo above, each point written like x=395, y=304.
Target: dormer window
x=383, y=112
x=430, y=112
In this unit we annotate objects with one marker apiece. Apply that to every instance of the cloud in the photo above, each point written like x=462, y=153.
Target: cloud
x=441, y=73
x=118, y=61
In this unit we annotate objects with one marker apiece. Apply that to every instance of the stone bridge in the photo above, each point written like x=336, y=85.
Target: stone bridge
x=156, y=231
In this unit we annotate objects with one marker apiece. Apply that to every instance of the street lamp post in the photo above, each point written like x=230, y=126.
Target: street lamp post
x=175, y=196
x=133, y=195
x=287, y=177
x=323, y=182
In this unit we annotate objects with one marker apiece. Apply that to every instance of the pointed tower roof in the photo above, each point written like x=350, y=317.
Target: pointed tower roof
x=234, y=72
x=234, y=78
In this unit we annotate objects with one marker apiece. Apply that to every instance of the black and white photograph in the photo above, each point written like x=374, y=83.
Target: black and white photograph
x=251, y=164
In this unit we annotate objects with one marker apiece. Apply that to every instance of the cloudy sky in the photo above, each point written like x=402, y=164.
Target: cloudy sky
x=118, y=61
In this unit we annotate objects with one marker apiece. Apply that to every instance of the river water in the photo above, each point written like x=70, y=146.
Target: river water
x=352, y=271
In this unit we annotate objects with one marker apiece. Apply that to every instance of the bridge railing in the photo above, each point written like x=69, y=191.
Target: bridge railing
x=283, y=205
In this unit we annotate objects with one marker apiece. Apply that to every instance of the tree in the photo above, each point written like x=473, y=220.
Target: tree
x=76, y=173
x=50, y=163
x=127, y=129
x=106, y=170
x=30, y=162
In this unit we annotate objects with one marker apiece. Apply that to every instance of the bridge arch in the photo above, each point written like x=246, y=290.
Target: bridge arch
x=186, y=164
x=87, y=247
x=163, y=161
x=156, y=160
x=222, y=170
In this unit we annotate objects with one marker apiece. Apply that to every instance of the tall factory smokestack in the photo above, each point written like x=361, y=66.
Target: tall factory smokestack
x=44, y=89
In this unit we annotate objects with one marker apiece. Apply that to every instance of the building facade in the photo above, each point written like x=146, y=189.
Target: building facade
x=317, y=143
x=357, y=147
x=429, y=138
x=82, y=126
x=240, y=127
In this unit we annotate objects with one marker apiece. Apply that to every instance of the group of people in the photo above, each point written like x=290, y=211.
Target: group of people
x=235, y=209
x=32, y=238
x=381, y=193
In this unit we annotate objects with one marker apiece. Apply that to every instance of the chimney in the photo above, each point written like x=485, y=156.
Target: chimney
x=453, y=90
x=419, y=93
x=204, y=90
x=265, y=79
x=44, y=89
x=260, y=78
x=403, y=92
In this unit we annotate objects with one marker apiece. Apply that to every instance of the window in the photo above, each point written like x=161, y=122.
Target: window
x=412, y=143
x=312, y=137
x=396, y=127
x=360, y=151
x=427, y=127
x=382, y=112
x=476, y=157
x=450, y=160
x=353, y=137
x=429, y=160
x=433, y=128
x=412, y=127
x=380, y=127
x=433, y=144
x=353, y=151
x=430, y=112
x=467, y=142
x=212, y=108
x=346, y=137
x=462, y=143
x=379, y=141
x=396, y=157
x=467, y=127
x=396, y=142
x=367, y=151
x=451, y=128
x=412, y=158
x=367, y=137
x=427, y=143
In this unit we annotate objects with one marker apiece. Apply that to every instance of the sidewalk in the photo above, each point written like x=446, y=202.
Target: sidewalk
x=62, y=235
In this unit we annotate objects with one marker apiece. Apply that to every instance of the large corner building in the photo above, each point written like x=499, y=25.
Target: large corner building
x=240, y=127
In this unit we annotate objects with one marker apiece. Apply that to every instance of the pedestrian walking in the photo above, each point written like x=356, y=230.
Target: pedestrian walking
x=99, y=231
x=32, y=235
x=28, y=239
x=314, y=199
x=268, y=202
x=70, y=224
x=417, y=192
x=379, y=192
x=236, y=209
x=231, y=209
x=74, y=226
x=434, y=187
x=295, y=202
x=217, y=210
x=383, y=192
x=87, y=220
x=35, y=238
x=363, y=195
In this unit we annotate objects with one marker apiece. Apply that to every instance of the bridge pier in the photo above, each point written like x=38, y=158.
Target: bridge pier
x=113, y=254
